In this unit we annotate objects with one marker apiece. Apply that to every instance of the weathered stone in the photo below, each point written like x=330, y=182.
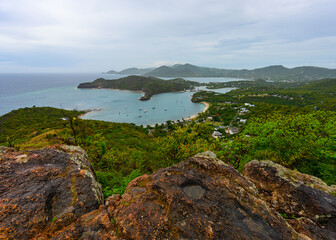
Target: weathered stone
x=94, y=225
x=306, y=201
x=194, y=191
x=200, y=198
x=45, y=190
x=53, y=194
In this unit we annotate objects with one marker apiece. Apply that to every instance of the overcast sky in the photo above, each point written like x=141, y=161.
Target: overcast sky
x=100, y=35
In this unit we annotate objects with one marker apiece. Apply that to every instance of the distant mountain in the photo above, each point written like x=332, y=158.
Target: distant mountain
x=132, y=71
x=273, y=73
x=187, y=70
x=112, y=72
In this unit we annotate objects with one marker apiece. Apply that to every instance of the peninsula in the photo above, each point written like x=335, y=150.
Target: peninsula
x=148, y=85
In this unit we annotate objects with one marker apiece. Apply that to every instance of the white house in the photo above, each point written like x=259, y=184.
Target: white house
x=216, y=134
x=233, y=130
x=242, y=120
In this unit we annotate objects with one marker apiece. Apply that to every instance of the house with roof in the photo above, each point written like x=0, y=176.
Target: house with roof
x=232, y=130
x=216, y=134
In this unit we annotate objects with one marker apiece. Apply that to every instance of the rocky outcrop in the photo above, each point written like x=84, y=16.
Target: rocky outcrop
x=200, y=198
x=43, y=191
x=306, y=202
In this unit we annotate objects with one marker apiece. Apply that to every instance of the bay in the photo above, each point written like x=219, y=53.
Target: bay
x=60, y=90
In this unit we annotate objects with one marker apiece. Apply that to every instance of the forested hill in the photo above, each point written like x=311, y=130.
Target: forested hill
x=149, y=85
x=132, y=71
x=274, y=73
x=321, y=86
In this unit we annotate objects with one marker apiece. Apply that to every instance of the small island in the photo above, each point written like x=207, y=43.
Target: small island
x=148, y=85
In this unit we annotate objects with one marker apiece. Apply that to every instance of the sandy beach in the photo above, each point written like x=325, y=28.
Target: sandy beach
x=89, y=111
x=207, y=105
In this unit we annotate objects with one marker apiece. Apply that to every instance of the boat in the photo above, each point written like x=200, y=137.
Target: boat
x=140, y=109
x=153, y=107
x=145, y=110
x=140, y=116
x=166, y=109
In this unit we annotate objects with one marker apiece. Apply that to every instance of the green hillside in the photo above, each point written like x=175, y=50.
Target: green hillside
x=149, y=85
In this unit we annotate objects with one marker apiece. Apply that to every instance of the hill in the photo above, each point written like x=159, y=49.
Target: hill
x=273, y=73
x=148, y=85
x=321, y=86
x=132, y=71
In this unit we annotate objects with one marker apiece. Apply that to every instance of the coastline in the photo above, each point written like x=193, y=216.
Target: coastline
x=207, y=105
x=89, y=111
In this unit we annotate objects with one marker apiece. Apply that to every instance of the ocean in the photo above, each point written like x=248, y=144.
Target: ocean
x=60, y=90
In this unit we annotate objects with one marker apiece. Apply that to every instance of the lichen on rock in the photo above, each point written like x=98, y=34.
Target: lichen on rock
x=306, y=202
x=42, y=191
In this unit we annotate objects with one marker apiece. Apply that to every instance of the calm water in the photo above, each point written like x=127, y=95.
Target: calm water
x=60, y=90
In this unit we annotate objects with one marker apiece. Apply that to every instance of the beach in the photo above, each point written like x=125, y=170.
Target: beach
x=207, y=105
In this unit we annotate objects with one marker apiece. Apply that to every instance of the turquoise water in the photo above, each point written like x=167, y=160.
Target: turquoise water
x=60, y=90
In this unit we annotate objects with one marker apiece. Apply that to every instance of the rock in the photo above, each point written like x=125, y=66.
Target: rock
x=308, y=204
x=42, y=191
x=53, y=194
x=201, y=198
x=94, y=225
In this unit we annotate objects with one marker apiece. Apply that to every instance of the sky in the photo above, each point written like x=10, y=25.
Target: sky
x=101, y=35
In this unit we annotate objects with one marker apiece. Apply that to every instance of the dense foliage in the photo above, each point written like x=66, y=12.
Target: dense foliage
x=119, y=152
x=306, y=142
x=24, y=124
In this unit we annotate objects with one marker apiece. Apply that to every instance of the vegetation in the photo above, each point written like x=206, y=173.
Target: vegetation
x=294, y=126
x=119, y=152
x=259, y=83
x=25, y=124
x=302, y=141
x=148, y=85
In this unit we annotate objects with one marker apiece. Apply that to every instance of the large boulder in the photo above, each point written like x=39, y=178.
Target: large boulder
x=200, y=198
x=306, y=202
x=43, y=191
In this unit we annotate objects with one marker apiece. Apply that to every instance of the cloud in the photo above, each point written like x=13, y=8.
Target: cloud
x=99, y=35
